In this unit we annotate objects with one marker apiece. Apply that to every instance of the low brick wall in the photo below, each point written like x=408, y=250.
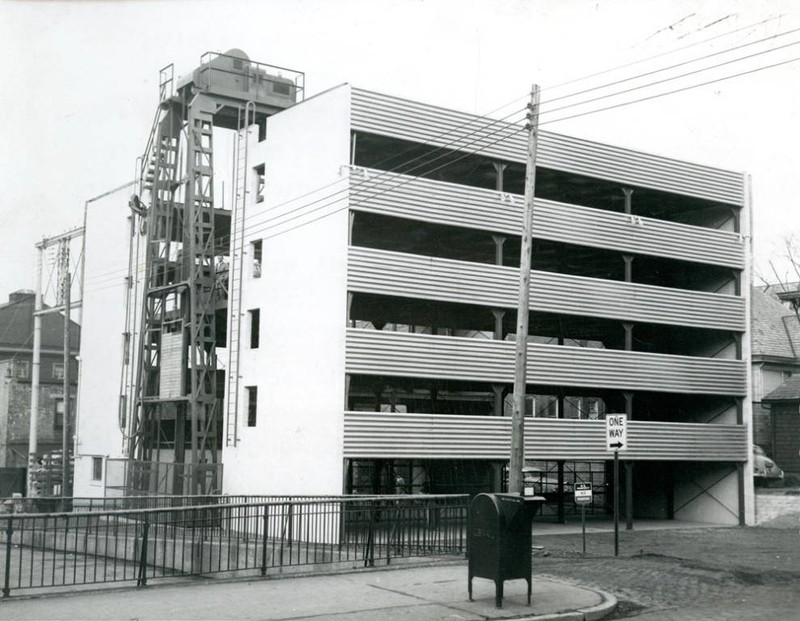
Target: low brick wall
x=775, y=505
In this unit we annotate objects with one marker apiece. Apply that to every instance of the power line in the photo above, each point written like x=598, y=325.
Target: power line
x=565, y=118
x=251, y=230
x=678, y=90
x=681, y=64
x=683, y=75
x=667, y=53
x=270, y=223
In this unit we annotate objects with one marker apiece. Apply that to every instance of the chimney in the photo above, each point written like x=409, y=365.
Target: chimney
x=23, y=295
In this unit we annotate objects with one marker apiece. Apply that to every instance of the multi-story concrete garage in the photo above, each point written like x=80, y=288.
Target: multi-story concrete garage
x=360, y=303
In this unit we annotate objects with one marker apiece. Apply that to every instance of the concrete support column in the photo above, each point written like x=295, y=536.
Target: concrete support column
x=499, y=333
x=628, y=194
x=350, y=320
x=500, y=391
x=499, y=169
x=497, y=476
x=348, y=476
x=737, y=220
x=561, y=517
x=628, y=470
x=499, y=240
x=628, y=327
x=740, y=489
x=628, y=267
x=350, y=219
x=561, y=513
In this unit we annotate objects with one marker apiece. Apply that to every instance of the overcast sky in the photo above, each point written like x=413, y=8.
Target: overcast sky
x=80, y=84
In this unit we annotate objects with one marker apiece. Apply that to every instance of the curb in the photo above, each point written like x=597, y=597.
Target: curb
x=590, y=613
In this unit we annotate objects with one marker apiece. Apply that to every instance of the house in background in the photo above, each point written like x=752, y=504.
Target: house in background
x=783, y=404
x=775, y=333
x=16, y=362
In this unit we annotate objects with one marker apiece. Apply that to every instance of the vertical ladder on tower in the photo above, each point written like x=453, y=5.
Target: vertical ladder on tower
x=246, y=121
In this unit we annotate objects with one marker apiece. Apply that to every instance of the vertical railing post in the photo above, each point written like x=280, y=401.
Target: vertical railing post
x=142, y=581
x=264, y=541
x=7, y=577
x=369, y=553
x=291, y=528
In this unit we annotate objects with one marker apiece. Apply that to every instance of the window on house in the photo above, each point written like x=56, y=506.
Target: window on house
x=252, y=405
x=22, y=369
x=58, y=412
x=260, y=171
x=255, y=327
x=256, y=248
x=58, y=370
x=97, y=468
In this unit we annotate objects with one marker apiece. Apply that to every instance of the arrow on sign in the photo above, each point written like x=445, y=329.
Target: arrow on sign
x=616, y=445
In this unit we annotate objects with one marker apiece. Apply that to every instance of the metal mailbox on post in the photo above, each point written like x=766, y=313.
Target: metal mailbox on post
x=499, y=539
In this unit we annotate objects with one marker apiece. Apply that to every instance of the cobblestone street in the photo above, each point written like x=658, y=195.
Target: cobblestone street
x=698, y=573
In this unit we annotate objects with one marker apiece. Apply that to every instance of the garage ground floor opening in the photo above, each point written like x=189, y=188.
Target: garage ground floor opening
x=686, y=491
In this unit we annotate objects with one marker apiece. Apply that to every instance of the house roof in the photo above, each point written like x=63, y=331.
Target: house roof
x=16, y=325
x=775, y=330
x=788, y=391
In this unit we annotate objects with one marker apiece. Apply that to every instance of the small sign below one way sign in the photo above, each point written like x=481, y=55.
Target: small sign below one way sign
x=583, y=493
x=616, y=432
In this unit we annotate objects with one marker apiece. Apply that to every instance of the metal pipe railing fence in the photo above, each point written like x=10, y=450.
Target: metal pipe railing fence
x=61, y=504
x=91, y=546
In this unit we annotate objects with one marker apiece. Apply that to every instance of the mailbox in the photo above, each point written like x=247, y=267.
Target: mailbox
x=499, y=539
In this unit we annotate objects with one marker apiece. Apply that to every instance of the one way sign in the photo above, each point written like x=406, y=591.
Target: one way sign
x=616, y=432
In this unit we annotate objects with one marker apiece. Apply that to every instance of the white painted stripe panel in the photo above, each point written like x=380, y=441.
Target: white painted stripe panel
x=373, y=352
x=452, y=204
x=430, y=278
x=420, y=436
x=414, y=121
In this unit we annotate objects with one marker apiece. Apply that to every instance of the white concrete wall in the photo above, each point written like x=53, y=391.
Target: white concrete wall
x=296, y=445
x=103, y=323
x=705, y=493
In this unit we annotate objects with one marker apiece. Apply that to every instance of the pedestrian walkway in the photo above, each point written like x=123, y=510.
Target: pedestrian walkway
x=429, y=593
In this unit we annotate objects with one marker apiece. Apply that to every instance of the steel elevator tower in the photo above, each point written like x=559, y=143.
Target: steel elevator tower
x=184, y=247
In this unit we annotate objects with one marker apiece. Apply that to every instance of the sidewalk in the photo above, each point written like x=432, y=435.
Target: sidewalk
x=420, y=593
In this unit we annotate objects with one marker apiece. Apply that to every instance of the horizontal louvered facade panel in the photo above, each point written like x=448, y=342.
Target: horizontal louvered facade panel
x=452, y=204
x=407, y=275
x=439, y=127
x=398, y=436
x=373, y=352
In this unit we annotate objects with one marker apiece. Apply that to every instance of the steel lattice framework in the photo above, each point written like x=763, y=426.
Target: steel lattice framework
x=174, y=405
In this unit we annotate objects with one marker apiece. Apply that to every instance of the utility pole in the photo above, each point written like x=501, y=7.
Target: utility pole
x=517, y=460
x=33, y=433
x=65, y=435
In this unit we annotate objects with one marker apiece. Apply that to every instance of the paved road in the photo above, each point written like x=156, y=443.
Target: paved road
x=715, y=574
